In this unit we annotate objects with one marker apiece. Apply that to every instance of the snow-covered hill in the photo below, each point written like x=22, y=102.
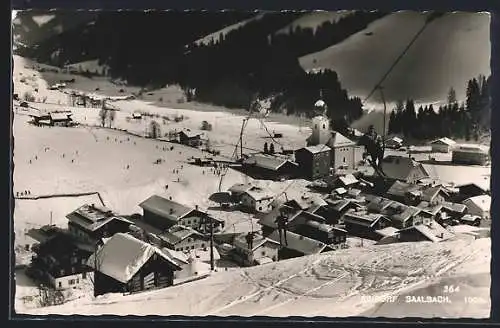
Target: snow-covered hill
x=341, y=283
x=452, y=50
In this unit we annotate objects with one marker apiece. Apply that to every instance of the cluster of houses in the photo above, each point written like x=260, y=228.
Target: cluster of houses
x=124, y=254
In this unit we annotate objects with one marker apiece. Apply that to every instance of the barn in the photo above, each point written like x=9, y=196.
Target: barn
x=269, y=167
x=443, y=145
x=126, y=264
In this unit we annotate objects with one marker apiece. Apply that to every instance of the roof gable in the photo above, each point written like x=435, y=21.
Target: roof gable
x=299, y=243
x=165, y=208
x=123, y=255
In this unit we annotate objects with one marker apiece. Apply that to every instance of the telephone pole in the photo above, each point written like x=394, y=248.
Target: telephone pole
x=212, y=266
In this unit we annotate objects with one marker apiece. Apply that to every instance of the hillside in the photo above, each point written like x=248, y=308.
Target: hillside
x=341, y=283
x=450, y=51
x=313, y=20
x=215, y=37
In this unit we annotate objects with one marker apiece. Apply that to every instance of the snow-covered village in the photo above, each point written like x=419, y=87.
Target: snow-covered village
x=287, y=182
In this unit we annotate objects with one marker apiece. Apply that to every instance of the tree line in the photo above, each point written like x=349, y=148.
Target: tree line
x=461, y=120
x=157, y=49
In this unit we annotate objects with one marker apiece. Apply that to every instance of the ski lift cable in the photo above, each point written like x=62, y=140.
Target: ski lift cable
x=428, y=20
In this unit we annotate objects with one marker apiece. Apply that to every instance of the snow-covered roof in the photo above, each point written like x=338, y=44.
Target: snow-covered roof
x=123, y=255
x=269, y=162
x=433, y=231
x=257, y=193
x=400, y=167
x=92, y=217
x=395, y=139
x=387, y=232
x=444, y=141
x=179, y=257
x=454, y=207
x=191, y=134
x=471, y=148
x=483, y=202
x=348, y=179
x=60, y=116
x=338, y=140
x=363, y=219
x=319, y=103
x=379, y=204
x=428, y=194
x=166, y=208
x=240, y=187
x=409, y=212
x=299, y=243
x=258, y=241
x=178, y=233
x=316, y=149
x=306, y=201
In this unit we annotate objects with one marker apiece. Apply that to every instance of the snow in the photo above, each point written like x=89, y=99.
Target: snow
x=43, y=19
x=331, y=284
x=453, y=36
x=95, y=160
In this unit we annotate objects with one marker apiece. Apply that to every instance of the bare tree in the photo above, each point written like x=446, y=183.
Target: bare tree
x=111, y=117
x=102, y=116
x=154, y=130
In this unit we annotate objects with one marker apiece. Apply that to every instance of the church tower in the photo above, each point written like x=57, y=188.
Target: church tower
x=320, y=126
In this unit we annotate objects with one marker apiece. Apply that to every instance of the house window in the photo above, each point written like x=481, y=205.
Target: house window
x=192, y=247
x=59, y=284
x=77, y=280
x=203, y=245
x=260, y=208
x=71, y=282
x=344, y=159
x=324, y=126
x=263, y=253
x=84, y=275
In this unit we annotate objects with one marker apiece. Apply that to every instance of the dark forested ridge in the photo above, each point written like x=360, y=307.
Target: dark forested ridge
x=467, y=120
x=158, y=48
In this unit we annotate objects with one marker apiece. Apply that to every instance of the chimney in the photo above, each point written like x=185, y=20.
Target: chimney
x=171, y=211
x=196, y=207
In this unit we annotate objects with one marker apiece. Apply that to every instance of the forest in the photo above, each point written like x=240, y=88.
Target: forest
x=466, y=121
x=157, y=48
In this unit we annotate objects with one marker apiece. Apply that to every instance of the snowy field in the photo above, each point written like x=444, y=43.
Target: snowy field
x=341, y=283
x=121, y=168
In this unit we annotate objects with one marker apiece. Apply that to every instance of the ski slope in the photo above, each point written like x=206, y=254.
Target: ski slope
x=332, y=284
x=452, y=50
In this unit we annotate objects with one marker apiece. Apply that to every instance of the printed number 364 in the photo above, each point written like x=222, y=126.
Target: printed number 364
x=451, y=289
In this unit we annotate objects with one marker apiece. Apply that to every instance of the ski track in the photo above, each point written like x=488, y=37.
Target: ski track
x=245, y=298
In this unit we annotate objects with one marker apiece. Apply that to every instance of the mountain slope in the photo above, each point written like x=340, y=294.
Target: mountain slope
x=216, y=36
x=332, y=284
x=452, y=49
x=314, y=19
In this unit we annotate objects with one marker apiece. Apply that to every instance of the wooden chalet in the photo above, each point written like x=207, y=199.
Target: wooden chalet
x=407, y=193
x=297, y=245
x=90, y=223
x=314, y=161
x=403, y=169
x=59, y=260
x=181, y=238
x=60, y=119
x=408, y=217
x=338, y=208
x=364, y=225
x=190, y=138
x=163, y=213
x=270, y=167
x=261, y=250
x=479, y=205
x=431, y=231
x=469, y=190
x=326, y=233
x=257, y=199
x=126, y=264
